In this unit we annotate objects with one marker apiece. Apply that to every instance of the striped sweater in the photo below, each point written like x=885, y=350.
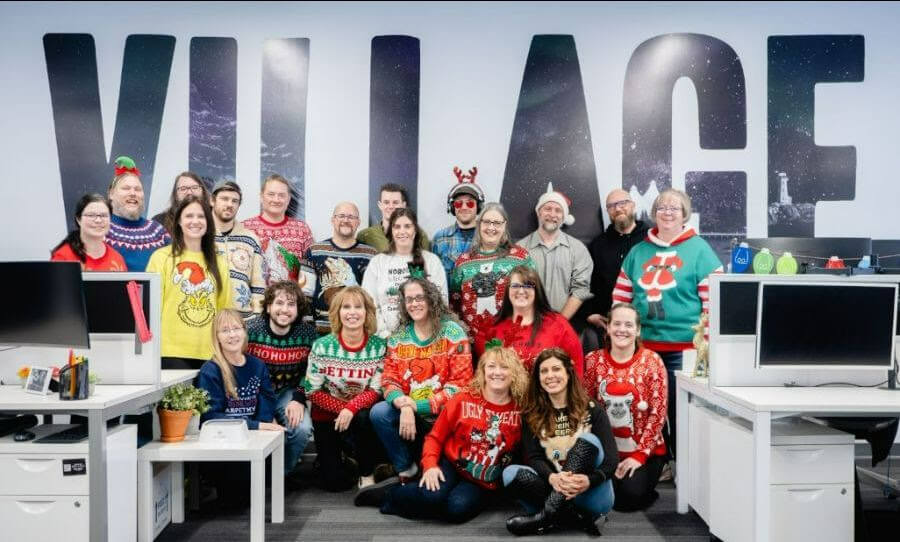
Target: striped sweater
x=284, y=355
x=136, y=240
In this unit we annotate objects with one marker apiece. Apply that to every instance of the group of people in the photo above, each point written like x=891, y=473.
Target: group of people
x=430, y=373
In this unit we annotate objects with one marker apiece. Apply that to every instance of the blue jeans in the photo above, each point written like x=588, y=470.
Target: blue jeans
x=673, y=362
x=402, y=453
x=296, y=438
x=595, y=501
x=457, y=500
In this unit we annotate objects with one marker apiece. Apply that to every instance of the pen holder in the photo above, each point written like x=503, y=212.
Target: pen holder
x=74, y=382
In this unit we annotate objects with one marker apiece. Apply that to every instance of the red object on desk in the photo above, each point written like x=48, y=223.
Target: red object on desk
x=137, y=309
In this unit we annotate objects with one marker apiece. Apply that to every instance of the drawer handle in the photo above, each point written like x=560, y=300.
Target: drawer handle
x=806, y=456
x=805, y=495
x=35, y=507
x=35, y=465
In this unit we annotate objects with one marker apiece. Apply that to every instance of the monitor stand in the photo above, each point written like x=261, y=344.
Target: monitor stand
x=891, y=381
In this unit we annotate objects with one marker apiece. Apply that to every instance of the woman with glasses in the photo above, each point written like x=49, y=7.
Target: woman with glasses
x=87, y=242
x=428, y=361
x=404, y=258
x=528, y=325
x=187, y=183
x=481, y=274
x=666, y=277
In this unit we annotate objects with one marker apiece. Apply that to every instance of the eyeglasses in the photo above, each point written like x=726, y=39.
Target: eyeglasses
x=459, y=203
x=521, y=285
x=185, y=189
x=96, y=216
x=672, y=209
x=618, y=204
x=414, y=299
x=230, y=330
x=342, y=216
x=494, y=223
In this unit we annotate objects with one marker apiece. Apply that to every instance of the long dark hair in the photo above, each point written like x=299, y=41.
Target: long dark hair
x=171, y=217
x=541, y=305
x=438, y=312
x=207, y=243
x=539, y=412
x=74, y=237
x=417, y=259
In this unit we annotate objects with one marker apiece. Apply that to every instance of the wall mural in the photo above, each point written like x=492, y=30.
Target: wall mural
x=213, y=114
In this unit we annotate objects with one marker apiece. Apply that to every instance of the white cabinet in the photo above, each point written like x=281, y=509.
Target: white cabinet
x=44, y=491
x=811, y=481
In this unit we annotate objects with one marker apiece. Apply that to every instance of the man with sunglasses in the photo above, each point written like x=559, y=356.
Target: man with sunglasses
x=464, y=202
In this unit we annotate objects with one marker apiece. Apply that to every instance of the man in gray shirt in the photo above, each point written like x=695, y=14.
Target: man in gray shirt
x=563, y=262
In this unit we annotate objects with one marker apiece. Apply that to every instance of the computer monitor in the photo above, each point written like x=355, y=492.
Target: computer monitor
x=44, y=305
x=826, y=325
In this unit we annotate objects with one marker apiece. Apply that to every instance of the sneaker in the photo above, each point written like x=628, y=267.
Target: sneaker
x=373, y=495
x=383, y=472
x=667, y=473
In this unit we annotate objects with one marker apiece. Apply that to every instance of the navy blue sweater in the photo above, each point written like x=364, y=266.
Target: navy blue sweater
x=255, y=400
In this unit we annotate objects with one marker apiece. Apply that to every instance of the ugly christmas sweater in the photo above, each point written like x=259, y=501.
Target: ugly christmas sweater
x=340, y=377
x=478, y=285
x=255, y=401
x=476, y=436
x=283, y=244
x=136, y=240
x=555, y=331
x=429, y=371
x=284, y=355
x=634, y=396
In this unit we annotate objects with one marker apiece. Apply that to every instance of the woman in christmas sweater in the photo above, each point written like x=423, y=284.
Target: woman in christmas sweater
x=474, y=437
x=87, y=242
x=630, y=381
x=387, y=271
x=428, y=361
x=570, y=452
x=343, y=381
x=528, y=325
x=481, y=274
x=666, y=277
x=195, y=285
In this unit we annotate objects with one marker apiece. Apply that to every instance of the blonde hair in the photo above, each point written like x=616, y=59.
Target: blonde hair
x=680, y=196
x=223, y=317
x=334, y=310
x=118, y=178
x=278, y=179
x=508, y=358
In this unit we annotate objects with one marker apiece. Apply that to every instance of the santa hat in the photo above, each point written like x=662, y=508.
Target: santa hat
x=556, y=197
x=465, y=184
x=621, y=389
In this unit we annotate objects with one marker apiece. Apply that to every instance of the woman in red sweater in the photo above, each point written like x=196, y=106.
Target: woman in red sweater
x=87, y=242
x=472, y=440
x=528, y=325
x=630, y=381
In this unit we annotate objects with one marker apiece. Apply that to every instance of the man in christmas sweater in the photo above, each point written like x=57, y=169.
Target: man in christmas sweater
x=131, y=235
x=284, y=239
x=282, y=340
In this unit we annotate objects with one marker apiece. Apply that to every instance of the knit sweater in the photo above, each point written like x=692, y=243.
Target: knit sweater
x=383, y=277
x=546, y=453
x=477, y=437
x=283, y=244
x=243, y=252
x=429, y=371
x=255, y=401
x=634, y=396
x=285, y=355
x=136, y=240
x=555, y=331
x=335, y=268
x=190, y=300
x=341, y=377
x=668, y=283
x=478, y=285
x=110, y=261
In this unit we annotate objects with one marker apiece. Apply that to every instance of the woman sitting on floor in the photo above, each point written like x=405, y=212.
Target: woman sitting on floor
x=570, y=452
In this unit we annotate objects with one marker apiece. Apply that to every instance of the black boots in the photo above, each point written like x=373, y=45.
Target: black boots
x=579, y=460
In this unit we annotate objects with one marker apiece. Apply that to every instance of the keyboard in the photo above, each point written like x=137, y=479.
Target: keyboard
x=66, y=436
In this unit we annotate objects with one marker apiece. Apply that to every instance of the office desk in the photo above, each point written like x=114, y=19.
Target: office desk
x=759, y=406
x=107, y=402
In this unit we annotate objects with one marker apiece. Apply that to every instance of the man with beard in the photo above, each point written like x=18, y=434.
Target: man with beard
x=282, y=340
x=339, y=261
x=464, y=202
x=131, y=235
x=562, y=261
x=241, y=249
x=187, y=183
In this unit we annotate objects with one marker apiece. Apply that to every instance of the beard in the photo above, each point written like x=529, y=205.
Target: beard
x=549, y=227
x=623, y=221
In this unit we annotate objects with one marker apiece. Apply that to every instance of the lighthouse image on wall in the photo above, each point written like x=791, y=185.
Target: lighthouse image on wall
x=784, y=198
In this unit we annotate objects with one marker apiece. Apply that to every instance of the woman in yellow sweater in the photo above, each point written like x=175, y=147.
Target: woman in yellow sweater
x=195, y=285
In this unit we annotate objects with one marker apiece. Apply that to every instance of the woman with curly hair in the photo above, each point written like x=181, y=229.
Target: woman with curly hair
x=569, y=449
x=428, y=361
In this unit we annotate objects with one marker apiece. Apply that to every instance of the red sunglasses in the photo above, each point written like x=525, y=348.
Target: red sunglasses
x=459, y=203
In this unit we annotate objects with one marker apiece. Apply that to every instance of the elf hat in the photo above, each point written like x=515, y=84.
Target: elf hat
x=465, y=184
x=124, y=164
x=559, y=198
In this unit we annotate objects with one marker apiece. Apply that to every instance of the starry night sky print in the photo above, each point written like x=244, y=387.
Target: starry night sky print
x=213, y=108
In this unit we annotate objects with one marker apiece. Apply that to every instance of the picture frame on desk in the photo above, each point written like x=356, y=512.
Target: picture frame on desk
x=38, y=380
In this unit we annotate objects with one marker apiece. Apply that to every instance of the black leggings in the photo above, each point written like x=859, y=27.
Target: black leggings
x=358, y=441
x=638, y=492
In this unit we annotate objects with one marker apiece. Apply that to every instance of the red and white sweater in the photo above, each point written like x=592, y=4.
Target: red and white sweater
x=555, y=331
x=283, y=244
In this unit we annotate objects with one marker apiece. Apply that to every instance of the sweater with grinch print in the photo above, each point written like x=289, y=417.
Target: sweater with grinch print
x=478, y=285
x=284, y=355
x=340, y=377
x=634, y=396
x=476, y=436
x=668, y=283
x=429, y=371
x=136, y=240
x=283, y=245
x=190, y=300
x=255, y=401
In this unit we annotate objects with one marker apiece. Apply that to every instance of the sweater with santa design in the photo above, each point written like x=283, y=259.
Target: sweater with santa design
x=283, y=246
x=634, y=396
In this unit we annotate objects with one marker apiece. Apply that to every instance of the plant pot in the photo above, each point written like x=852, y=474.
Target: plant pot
x=173, y=423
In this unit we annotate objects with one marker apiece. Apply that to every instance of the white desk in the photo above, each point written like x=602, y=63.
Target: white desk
x=261, y=445
x=107, y=402
x=761, y=405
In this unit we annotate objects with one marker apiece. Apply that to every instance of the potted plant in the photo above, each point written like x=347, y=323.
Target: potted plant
x=177, y=406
